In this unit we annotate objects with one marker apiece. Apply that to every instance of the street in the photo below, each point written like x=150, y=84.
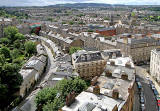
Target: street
x=150, y=100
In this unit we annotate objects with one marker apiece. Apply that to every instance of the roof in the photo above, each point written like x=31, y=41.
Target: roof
x=87, y=56
x=133, y=41
x=92, y=103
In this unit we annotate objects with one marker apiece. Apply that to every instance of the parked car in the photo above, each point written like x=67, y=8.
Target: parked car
x=142, y=107
x=139, y=85
x=155, y=92
x=158, y=97
x=142, y=99
x=137, y=79
x=150, y=82
x=141, y=94
x=158, y=103
x=152, y=86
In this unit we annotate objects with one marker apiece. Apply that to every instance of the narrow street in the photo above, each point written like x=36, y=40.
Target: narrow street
x=150, y=100
x=28, y=104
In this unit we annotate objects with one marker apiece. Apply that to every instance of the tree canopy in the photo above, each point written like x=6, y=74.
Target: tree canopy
x=30, y=48
x=74, y=49
x=52, y=99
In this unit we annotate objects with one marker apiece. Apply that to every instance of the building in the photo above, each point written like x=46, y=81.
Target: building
x=111, y=31
x=32, y=70
x=65, y=43
x=5, y=22
x=112, y=91
x=88, y=64
x=138, y=49
x=155, y=64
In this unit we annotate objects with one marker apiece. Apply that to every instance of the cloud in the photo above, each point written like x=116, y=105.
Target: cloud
x=51, y=2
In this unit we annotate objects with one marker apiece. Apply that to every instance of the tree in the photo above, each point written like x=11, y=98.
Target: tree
x=12, y=81
x=19, y=36
x=17, y=44
x=4, y=41
x=71, y=23
x=74, y=49
x=15, y=53
x=54, y=106
x=2, y=59
x=30, y=48
x=5, y=51
x=10, y=33
x=52, y=99
x=47, y=94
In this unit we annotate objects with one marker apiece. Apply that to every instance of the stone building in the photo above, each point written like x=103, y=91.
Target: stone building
x=138, y=49
x=32, y=70
x=155, y=64
x=107, y=31
x=5, y=22
x=88, y=64
x=64, y=42
x=112, y=91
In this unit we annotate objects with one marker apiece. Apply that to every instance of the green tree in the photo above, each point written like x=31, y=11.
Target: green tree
x=12, y=81
x=5, y=51
x=71, y=23
x=51, y=101
x=54, y=106
x=30, y=48
x=17, y=44
x=4, y=41
x=15, y=53
x=74, y=49
x=45, y=95
x=2, y=59
x=19, y=36
x=10, y=33
x=133, y=14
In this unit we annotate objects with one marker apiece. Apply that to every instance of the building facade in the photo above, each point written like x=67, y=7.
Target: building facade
x=88, y=64
x=138, y=49
x=155, y=64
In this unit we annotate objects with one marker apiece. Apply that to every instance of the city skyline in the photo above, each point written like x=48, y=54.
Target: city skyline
x=53, y=2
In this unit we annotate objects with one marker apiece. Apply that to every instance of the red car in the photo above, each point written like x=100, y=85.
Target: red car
x=158, y=102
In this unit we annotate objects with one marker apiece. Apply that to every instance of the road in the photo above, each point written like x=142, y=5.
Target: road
x=150, y=100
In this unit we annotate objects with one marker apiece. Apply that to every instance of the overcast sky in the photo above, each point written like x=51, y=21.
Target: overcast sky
x=52, y=2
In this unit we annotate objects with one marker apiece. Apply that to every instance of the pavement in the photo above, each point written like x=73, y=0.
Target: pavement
x=150, y=100
x=136, y=104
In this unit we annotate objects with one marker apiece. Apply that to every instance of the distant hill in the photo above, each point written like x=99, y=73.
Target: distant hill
x=82, y=5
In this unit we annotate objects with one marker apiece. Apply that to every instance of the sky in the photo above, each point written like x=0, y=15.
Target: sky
x=52, y=2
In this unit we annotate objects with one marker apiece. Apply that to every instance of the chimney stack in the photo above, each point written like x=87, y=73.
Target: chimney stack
x=70, y=98
x=115, y=94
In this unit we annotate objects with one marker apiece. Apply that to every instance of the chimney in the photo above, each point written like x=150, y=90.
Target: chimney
x=108, y=73
x=112, y=63
x=128, y=64
x=124, y=76
x=96, y=89
x=70, y=98
x=115, y=94
x=94, y=81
